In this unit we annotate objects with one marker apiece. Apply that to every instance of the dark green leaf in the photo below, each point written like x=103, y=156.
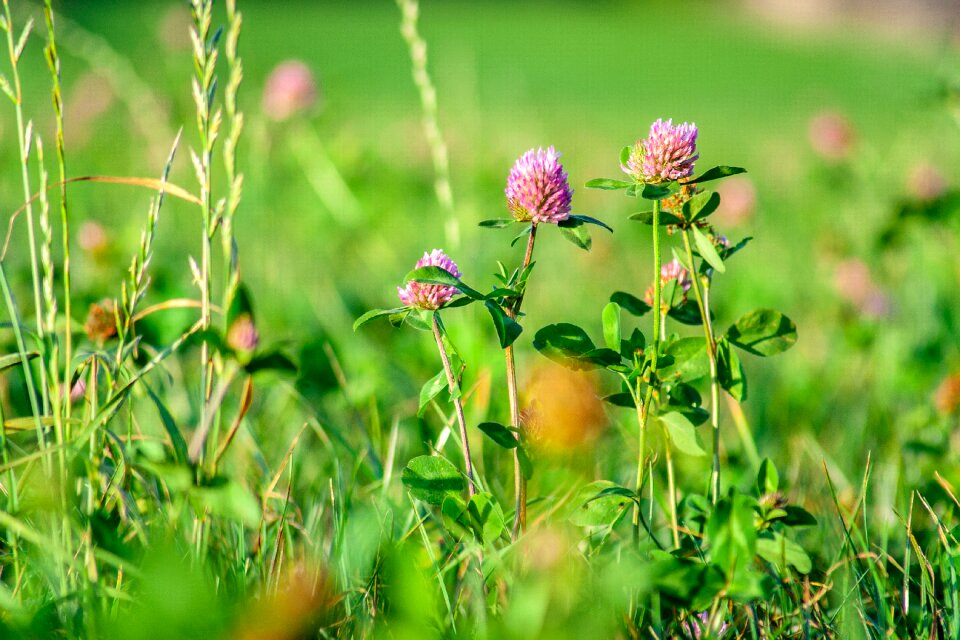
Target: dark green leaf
x=646, y=217
x=170, y=426
x=591, y=509
x=590, y=220
x=497, y=223
x=432, y=478
x=270, y=361
x=629, y=348
x=682, y=433
x=508, y=330
x=726, y=252
x=730, y=371
x=611, y=325
x=439, y=275
x=602, y=357
x=730, y=534
x=13, y=359
x=630, y=303
x=707, y=251
x=621, y=399
x=526, y=466
x=564, y=343
x=526, y=231
x=455, y=518
x=716, y=173
x=780, y=552
x=798, y=517
x=576, y=233
x=687, y=313
x=486, y=517
x=499, y=434
x=608, y=184
x=700, y=206
x=659, y=191
x=689, y=360
x=375, y=313
x=768, y=480
x=431, y=389
x=763, y=332
x=242, y=304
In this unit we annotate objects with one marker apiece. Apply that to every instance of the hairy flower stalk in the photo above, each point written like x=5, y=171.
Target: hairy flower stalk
x=667, y=154
x=537, y=192
x=430, y=297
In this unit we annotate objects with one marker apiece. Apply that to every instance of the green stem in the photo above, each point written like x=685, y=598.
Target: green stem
x=701, y=290
x=520, y=483
x=458, y=404
x=643, y=412
x=671, y=491
x=27, y=195
x=24, y=361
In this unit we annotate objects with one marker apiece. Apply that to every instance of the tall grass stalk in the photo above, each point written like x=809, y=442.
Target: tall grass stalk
x=417, y=46
x=53, y=63
x=24, y=135
x=205, y=56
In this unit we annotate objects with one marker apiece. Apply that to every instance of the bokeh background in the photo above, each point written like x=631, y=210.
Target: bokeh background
x=844, y=113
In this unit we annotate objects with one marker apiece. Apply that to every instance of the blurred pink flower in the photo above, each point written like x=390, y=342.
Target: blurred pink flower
x=831, y=135
x=92, y=238
x=243, y=335
x=926, y=182
x=173, y=30
x=290, y=89
x=854, y=284
x=537, y=188
x=669, y=272
x=666, y=154
x=78, y=391
x=738, y=201
x=430, y=296
x=89, y=98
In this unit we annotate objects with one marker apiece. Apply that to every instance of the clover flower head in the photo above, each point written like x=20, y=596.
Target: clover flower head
x=243, y=335
x=665, y=155
x=537, y=188
x=290, y=89
x=430, y=296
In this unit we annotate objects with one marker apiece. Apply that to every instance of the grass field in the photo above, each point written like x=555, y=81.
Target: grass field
x=339, y=202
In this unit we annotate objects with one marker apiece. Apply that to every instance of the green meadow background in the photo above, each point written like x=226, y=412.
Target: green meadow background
x=339, y=203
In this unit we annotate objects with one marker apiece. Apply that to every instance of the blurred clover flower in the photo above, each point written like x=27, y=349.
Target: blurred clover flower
x=290, y=89
x=669, y=272
x=665, y=155
x=537, y=188
x=430, y=296
x=738, y=201
x=243, y=335
x=831, y=136
x=854, y=283
x=101, y=323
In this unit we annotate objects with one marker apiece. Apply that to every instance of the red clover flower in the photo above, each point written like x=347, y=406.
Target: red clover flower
x=430, y=296
x=667, y=153
x=537, y=188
